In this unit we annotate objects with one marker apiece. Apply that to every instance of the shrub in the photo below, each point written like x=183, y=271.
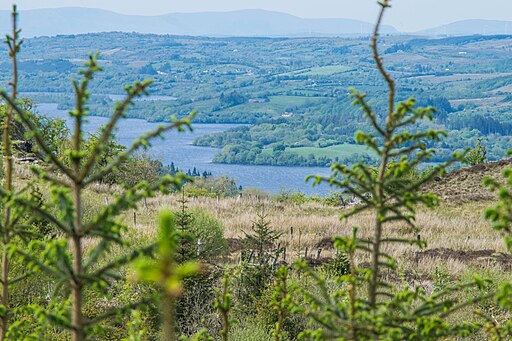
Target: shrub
x=213, y=187
x=476, y=155
x=296, y=198
x=210, y=232
x=250, y=331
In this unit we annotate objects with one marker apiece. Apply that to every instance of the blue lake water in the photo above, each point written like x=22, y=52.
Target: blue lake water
x=178, y=148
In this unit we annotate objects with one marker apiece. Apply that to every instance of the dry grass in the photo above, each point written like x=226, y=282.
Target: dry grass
x=465, y=185
x=450, y=226
x=457, y=224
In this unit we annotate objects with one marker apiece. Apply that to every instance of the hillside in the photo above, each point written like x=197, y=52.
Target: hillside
x=72, y=20
x=257, y=80
x=465, y=184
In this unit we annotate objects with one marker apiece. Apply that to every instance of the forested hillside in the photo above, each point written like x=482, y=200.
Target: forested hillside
x=294, y=90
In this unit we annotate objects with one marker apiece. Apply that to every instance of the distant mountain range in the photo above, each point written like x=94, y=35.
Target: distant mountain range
x=470, y=27
x=259, y=23
x=48, y=22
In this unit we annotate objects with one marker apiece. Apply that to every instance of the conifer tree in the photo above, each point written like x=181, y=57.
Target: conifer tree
x=167, y=273
x=76, y=271
x=476, y=155
x=184, y=219
x=262, y=238
x=385, y=312
x=15, y=222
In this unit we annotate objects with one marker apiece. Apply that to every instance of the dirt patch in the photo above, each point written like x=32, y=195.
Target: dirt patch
x=325, y=243
x=235, y=244
x=314, y=262
x=465, y=184
x=476, y=257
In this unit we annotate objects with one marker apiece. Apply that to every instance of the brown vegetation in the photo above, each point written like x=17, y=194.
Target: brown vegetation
x=465, y=184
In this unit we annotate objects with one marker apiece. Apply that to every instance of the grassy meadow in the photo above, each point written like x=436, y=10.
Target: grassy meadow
x=461, y=243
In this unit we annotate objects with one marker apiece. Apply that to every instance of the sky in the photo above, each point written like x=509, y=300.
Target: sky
x=406, y=15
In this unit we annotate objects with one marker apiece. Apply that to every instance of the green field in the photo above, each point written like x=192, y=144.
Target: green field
x=340, y=150
x=319, y=71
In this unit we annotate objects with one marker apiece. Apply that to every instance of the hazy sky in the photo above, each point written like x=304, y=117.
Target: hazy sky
x=406, y=15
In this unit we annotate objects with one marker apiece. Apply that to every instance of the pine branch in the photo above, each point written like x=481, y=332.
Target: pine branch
x=134, y=91
x=141, y=142
x=25, y=118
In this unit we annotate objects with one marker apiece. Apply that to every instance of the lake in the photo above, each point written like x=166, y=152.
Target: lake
x=178, y=148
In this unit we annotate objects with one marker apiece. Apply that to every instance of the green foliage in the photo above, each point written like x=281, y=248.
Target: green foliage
x=185, y=248
x=13, y=231
x=500, y=215
x=209, y=231
x=297, y=198
x=166, y=272
x=55, y=132
x=111, y=148
x=232, y=99
x=384, y=312
x=476, y=155
x=202, y=235
x=84, y=292
x=322, y=116
x=339, y=266
x=75, y=272
x=136, y=329
x=262, y=238
x=250, y=332
x=195, y=307
x=257, y=268
x=223, y=303
x=138, y=168
x=213, y=187
x=441, y=280
x=281, y=297
x=501, y=219
x=334, y=198
x=281, y=301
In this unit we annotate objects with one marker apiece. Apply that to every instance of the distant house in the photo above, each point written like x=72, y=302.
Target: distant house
x=287, y=114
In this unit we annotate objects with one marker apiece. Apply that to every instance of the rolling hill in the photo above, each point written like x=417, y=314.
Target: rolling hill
x=74, y=20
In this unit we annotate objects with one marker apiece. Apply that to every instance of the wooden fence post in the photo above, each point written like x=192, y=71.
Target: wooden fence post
x=251, y=254
x=300, y=235
x=318, y=252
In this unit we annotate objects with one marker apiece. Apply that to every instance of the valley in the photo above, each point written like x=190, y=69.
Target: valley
x=293, y=92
